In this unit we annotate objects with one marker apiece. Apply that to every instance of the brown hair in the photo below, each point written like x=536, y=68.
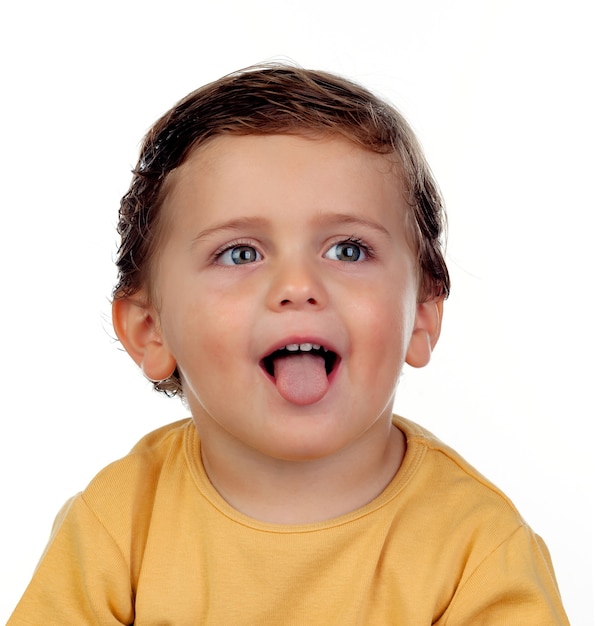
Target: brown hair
x=275, y=99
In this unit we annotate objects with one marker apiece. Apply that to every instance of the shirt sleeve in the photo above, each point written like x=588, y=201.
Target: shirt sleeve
x=82, y=577
x=514, y=586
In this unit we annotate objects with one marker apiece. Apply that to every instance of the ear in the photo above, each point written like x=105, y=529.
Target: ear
x=137, y=327
x=426, y=331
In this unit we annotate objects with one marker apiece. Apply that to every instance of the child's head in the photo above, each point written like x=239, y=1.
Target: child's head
x=274, y=100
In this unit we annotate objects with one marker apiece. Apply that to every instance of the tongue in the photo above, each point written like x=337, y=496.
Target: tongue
x=301, y=378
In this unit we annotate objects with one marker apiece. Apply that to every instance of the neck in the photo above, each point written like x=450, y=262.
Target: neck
x=305, y=491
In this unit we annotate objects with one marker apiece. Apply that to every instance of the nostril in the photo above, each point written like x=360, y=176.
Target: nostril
x=288, y=302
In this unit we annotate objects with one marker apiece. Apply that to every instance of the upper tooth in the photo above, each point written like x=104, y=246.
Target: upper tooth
x=304, y=347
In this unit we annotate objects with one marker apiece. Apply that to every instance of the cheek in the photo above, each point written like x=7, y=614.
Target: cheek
x=385, y=308
x=383, y=321
x=207, y=333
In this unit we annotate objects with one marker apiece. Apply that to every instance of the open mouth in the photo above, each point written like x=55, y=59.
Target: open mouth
x=330, y=358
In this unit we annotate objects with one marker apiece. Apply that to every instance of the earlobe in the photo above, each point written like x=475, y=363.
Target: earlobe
x=426, y=331
x=137, y=328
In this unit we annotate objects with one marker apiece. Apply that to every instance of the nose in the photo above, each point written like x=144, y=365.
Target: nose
x=296, y=285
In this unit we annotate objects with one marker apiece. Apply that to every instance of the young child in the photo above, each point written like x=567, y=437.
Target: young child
x=280, y=261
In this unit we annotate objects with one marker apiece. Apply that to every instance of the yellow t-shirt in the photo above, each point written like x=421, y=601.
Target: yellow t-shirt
x=150, y=541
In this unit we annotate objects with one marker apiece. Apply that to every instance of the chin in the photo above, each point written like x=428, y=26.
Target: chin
x=310, y=444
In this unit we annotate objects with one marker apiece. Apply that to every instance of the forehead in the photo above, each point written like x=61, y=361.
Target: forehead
x=318, y=171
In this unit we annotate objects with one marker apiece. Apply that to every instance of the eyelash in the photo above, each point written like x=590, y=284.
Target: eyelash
x=360, y=243
x=368, y=251
x=230, y=246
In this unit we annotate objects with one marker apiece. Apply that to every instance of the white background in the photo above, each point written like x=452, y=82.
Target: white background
x=500, y=93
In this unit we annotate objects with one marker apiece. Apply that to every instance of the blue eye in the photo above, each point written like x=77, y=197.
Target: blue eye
x=239, y=255
x=348, y=251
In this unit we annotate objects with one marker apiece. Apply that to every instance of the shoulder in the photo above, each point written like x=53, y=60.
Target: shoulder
x=166, y=435
x=152, y=450
x=443, y=485
x=469, y=532
x=133, y=480
x=121, y=499
x=437, y=461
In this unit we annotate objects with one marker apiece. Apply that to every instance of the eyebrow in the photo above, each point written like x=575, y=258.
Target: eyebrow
x=347, y=219
x=324, y=219
x=241, y=223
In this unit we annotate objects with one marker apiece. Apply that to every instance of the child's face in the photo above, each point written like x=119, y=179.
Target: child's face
x=275, y=241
